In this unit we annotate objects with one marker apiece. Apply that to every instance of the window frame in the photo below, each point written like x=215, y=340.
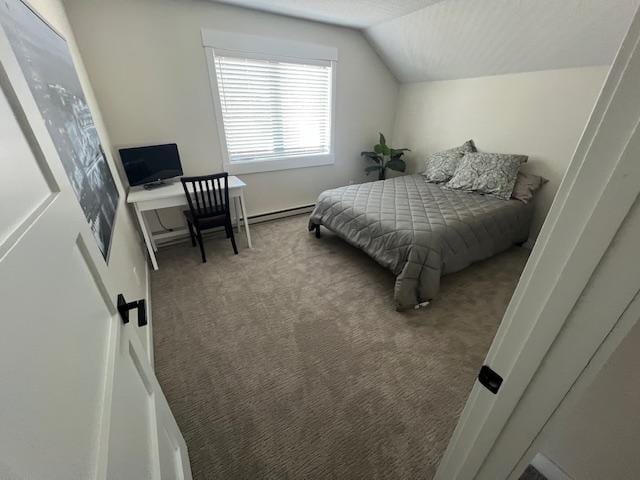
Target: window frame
x=252, y=46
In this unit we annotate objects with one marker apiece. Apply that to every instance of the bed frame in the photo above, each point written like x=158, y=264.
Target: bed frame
x=312, y=227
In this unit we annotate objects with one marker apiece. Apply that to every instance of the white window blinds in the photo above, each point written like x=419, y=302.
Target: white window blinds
x=274, y=108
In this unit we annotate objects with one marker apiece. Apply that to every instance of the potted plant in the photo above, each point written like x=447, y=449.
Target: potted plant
x=383, y=157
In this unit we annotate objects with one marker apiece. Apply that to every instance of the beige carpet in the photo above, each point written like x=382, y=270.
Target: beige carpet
x=289, y=361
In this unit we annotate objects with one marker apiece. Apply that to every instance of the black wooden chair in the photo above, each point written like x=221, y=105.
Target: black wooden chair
x=208, y=197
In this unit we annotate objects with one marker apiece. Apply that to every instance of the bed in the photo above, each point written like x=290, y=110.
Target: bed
x=419, y=230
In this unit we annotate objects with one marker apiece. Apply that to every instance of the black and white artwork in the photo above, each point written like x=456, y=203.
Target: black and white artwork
x=45, y=60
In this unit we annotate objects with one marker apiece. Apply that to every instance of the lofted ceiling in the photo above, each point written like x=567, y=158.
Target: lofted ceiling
x=471, y=38
x=424, y=40
x=348, y=13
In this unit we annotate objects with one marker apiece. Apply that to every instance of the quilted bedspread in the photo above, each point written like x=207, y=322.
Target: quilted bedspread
x=421, y=231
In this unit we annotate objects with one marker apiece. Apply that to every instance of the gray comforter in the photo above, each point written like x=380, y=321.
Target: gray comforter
x=421, y=231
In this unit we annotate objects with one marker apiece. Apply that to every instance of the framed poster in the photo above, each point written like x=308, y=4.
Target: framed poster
x=45, y=60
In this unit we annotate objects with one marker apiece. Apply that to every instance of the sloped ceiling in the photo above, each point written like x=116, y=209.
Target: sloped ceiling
x=471, y=38
x=348, y=13
x=424, y=40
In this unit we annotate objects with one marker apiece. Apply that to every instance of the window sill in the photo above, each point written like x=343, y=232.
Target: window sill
x=257, y=166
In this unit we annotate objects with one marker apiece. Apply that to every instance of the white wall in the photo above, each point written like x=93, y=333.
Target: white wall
x=598, y=438
x=147, y=64
x=540, y=114
x=126, y=248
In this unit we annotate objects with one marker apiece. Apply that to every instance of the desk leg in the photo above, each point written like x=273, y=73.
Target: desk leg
x=147, y=237
x=236, y=209
x=246, y=219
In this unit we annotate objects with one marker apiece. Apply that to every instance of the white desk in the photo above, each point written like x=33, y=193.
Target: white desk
x=172, y=195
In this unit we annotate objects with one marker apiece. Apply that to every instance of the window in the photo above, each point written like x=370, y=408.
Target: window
x=274, y=108
x=274, y=111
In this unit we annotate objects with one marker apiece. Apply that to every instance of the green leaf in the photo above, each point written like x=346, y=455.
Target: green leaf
x=382, y=149
x=370, y=154
x=395, y=151
x=374, y=157
x=396, y=164
x=372, y=168
x=383, y=141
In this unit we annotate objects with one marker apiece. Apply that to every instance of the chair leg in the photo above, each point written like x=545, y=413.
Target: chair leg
x=204, y=258
x=233, y=238
x=193, y=237
x=227, y=229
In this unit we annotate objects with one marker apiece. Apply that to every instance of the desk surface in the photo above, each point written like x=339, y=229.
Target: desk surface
x=140, y=194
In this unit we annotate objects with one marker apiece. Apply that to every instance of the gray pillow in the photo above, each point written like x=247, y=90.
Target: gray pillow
x=490, y=173
x=526, y=185
x=441, y=166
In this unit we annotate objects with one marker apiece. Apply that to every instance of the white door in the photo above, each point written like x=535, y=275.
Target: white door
x=596, y=195
x=78, y=399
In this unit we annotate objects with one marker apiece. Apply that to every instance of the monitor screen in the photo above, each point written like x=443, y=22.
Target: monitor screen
x=151, y=164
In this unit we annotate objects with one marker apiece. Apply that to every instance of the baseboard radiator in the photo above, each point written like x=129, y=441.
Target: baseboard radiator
x=164, y=239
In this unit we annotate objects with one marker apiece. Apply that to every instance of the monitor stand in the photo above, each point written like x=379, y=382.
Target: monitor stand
x=151, y=186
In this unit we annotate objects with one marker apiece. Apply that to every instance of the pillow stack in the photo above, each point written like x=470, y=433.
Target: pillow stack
x=441, y=166
x=490, y=173
x=497, y=174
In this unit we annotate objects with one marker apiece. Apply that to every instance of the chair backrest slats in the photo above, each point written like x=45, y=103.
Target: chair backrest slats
x=209, y=184
x=215, y=187
x=210, y=192
x=220, y=190
x=195, y=194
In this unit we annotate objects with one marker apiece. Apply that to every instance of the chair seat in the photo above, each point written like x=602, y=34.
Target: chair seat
x=212, y=220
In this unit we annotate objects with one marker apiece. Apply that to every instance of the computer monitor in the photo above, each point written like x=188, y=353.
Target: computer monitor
x=151, y=164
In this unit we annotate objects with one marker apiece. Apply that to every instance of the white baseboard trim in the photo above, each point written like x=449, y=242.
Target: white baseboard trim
x=180, y=235
x=547, y=468
x=288, y=212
